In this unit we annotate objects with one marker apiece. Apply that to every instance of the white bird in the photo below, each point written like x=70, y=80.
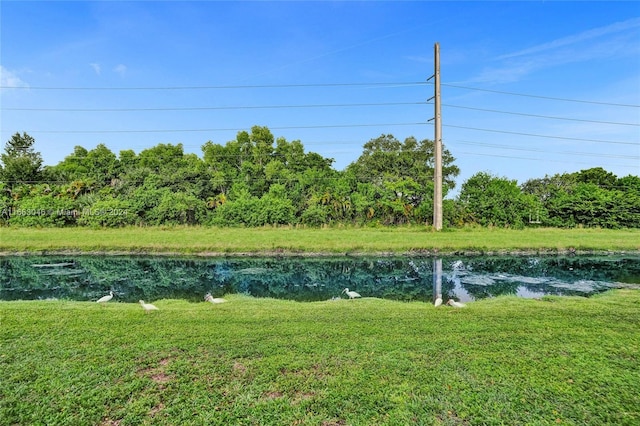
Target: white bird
x=148, y=307
x=438, y=301
x=351, y=294
x=456, y=304
x=457, y=264
x=212, y=299
x=105, y=299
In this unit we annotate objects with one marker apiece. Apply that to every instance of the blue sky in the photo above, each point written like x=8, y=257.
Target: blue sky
x=254, y=56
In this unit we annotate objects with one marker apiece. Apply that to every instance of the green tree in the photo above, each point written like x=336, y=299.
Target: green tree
x=103, y=165
x=591, y=205
x=173, y=169
x=72, y=167
x=21, y=164
x=386, y=156
x=494, y=201
x=177, y=208
x=597, y=176
x=274, y=208
x=629, y=183
x=591, y=197
x=586, y=204
x=5, y=203
x=161, y=157
x=238, y=209
x=402, y=177
x=548, y=187
x=315, y=215
x=262, y=141
x=222, y=164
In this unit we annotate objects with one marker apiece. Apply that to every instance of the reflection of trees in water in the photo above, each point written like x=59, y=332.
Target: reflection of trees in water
x=304, y=279
x=497, y=289
x=322, y=279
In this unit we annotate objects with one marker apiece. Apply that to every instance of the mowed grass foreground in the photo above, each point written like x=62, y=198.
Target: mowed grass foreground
x=511, y=361
x=207, y=240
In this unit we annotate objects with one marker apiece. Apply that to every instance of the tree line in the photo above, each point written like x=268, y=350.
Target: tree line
x=257, y=180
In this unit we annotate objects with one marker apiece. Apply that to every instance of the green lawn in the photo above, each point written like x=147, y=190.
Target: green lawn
x=503, y=361
x=328, y=240
x=253, y=361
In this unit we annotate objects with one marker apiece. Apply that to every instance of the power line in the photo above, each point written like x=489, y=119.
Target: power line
x=541, y=136
x=250, y=107
x=543, y=97
x=541, y=116
x=213, y=108
x=544, y=159
x=587, y=154
x=280, y=86
x=224, y=129
x=319, y=85
x=327, y=126
x=257, y=86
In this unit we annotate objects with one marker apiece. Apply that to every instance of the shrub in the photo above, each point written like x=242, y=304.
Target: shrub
x=43, y=210
x=110, y=213
x=315, y=216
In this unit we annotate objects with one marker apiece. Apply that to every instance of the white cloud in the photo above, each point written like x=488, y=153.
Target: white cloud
x=506, y=74
x=96, y=67
x=615, y=40
x=120, y=69
x=9, y=79
x=577, y=38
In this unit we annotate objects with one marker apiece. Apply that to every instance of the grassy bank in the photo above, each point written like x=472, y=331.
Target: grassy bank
x=331, y=240
x=572, y=361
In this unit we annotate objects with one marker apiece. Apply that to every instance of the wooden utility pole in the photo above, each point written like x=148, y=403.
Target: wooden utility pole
x=437, y=146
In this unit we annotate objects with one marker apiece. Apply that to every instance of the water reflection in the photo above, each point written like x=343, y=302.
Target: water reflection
x=437, y=281
x=311, y=279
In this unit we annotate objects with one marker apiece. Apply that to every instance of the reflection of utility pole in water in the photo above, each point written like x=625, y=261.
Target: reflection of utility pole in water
x=437, y=279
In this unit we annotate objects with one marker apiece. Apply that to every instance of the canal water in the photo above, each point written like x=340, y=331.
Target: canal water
x=471, y=278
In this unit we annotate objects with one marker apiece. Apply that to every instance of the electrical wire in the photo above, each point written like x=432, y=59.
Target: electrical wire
x=540, y=116
x=319, y=85
x=325, y=127
x=256, y=86
x=240, y=107
x=251, y=107
x=545, y=159
x=336, y=105
x=540, y=136
x=224, y=129
x=541, y=97
x=586, y=154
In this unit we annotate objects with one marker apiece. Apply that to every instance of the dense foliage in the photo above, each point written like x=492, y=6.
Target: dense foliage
x=257, y=180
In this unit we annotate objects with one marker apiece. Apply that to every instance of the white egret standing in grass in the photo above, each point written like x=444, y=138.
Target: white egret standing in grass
x=212, y=299
x=148, y=307
x=438, y=301
x=351, y=294
x=105, y=299
x=456, y=304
